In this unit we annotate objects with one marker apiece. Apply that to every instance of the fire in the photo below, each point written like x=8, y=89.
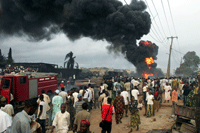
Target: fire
x=147, y=43
x=146, y=75
x=149, y=61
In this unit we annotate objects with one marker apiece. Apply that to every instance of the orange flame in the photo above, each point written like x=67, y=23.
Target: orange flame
x=147, y=43
x=149, y=61
x=146, y=75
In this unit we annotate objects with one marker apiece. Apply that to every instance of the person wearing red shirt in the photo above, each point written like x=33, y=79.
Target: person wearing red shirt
x=108, y=121
x=62, y=84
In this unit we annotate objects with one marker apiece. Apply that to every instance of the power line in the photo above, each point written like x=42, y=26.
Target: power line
x=152, y=16
x=159, y=18
x=165, y=16
x=177, y=51
x=173, y=22
x=156, y=40
x=178, y=45
x=173, y=52
x=157, y=26
x=172, y=17
x=154, y=28
x=157, y=34
x=151, y=29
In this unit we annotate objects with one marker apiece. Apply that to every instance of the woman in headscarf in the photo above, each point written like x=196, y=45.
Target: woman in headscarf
x=71, y=109
x=135, y=117
x=119, y=107
x=191, y=99
x=84, y=126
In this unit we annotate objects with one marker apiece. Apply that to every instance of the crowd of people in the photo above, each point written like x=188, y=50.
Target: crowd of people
x=16, y=70
x=71, y=110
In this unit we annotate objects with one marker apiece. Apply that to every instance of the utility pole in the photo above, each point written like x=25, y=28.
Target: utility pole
x=169, y=61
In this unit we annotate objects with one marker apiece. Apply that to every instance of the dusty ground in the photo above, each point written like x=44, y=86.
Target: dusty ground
x=163, y=120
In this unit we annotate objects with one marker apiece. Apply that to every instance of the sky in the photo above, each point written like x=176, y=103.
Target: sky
x=91, y=53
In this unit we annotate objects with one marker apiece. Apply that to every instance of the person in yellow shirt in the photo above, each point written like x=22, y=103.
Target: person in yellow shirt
x=196, y=90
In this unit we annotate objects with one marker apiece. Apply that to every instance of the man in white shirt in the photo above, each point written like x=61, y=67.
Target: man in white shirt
x=85, y=95
x=133, y=80
x=163, y=82
x=81, y=90
x=63, y=94
x=168, y=90
x=47, y=100
x=136, y=83
x=101, y=88
x=135, y=93
x=153, y=83
x=8, y=109
x=62, y=120
x=144, y=90
x=149, y=82
x=105, y=85
x=42, y=113
x=89, y=97
x=92, y=90
x=145, y=95
x=125, y=95
x=5, y=119
x=75, y=94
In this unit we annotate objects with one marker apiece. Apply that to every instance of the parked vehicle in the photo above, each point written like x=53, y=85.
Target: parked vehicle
x=24, y=86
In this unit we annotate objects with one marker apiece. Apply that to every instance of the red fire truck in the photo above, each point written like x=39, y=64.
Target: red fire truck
x=27, y=85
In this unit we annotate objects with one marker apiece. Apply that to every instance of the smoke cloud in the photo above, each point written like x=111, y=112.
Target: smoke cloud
x=146, y=49
x=110, y=20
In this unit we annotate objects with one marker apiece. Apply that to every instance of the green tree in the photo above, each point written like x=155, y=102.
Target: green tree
x=10, y=59
x=2, y=59
x=190, y=64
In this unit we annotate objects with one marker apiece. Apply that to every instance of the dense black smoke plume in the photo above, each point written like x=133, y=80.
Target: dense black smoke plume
x=146, y=49
x=108, y=20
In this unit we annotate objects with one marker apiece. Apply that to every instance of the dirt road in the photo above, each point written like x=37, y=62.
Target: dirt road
x=163, y=121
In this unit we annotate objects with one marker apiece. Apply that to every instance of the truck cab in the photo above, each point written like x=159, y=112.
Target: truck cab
x=5, y=88
x=11, y=86
x=26, y=86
